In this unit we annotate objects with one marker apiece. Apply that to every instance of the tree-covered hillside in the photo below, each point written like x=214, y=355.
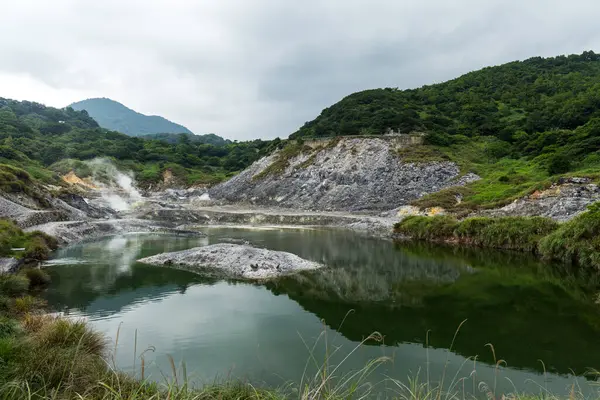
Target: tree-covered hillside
x=173, y=138
x=36, y=137
x=115, y=116
x=535, y=103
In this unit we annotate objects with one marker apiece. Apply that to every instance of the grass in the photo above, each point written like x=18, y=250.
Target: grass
x=282, y=162
x=514, y=233
x=503, y=179
x=420, y=154
x=575, y=242
x=37, y=245
x=449, y=198
x=439, y=227
x=17, y=180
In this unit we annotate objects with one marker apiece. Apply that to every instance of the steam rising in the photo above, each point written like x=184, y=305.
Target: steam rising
x=117, y=188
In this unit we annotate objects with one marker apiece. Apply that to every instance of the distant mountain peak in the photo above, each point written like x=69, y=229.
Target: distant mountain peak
x=111, y=114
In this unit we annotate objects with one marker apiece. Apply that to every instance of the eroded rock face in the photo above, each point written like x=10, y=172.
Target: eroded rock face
x=354, y=175
x=233, y=260
x=560, y=202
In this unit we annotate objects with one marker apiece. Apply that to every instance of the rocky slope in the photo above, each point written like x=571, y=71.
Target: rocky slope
x=27, y=211
x=69, y=232
x=351, y=174
x=561, y=202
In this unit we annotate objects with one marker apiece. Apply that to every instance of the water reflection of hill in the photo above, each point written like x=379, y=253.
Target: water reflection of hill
x=516, y=303
x=511, y=301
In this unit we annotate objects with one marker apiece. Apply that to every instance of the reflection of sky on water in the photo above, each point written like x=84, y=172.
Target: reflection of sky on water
x=221, y=328
x=241, y=331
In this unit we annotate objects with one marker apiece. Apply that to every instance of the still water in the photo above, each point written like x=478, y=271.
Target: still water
x=273, y=334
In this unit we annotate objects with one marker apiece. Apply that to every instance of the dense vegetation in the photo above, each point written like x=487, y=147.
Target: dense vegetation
x=174, y=138
x=34, y=137
x=114, y=116
x=574, y=242
x=528, y=105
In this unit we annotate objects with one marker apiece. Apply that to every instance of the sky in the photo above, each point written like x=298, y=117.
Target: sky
x=247, y=69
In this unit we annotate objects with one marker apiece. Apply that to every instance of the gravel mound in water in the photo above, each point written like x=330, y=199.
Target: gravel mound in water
x=238, y=261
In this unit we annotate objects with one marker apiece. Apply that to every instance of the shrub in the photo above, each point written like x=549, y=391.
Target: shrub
x=36, y=250
x=559, y=164
x=438, y=139
x=9, y=233
x=37, y=244
x=37, y=277
x=8, y=327
x=27, y=304
x=10, y=351
x=419, y=154
x=65, y=333
x=5, y=303
x=13, y=285
x=50, y=241
x=576, y=241
x=427, y=228
x=517, y=233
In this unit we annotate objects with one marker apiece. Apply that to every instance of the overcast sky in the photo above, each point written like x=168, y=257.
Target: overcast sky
x=260, y=68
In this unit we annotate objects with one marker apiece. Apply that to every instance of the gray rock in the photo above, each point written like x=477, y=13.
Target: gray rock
x=9, y=264
x=560, y=202
x=355, y=175
x=70, y=232
x=237, y=261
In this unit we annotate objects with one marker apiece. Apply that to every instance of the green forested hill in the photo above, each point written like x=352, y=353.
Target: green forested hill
x=115, y=116
x=520, y=126
x=173, y=138
x=522, y=102
x=36, y=137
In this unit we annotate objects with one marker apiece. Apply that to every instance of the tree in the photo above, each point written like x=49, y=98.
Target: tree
x=559, y=164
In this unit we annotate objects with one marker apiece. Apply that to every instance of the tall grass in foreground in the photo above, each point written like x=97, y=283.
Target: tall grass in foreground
x=49, y=357
x=67, y=364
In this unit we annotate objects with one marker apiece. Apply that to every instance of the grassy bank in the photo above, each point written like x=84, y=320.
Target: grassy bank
x=28, y=246
x=575, y=242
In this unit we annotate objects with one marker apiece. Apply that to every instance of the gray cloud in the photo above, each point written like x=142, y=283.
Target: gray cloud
x=261, y=68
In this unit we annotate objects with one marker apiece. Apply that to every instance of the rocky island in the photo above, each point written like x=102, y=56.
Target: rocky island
x=233, y=260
